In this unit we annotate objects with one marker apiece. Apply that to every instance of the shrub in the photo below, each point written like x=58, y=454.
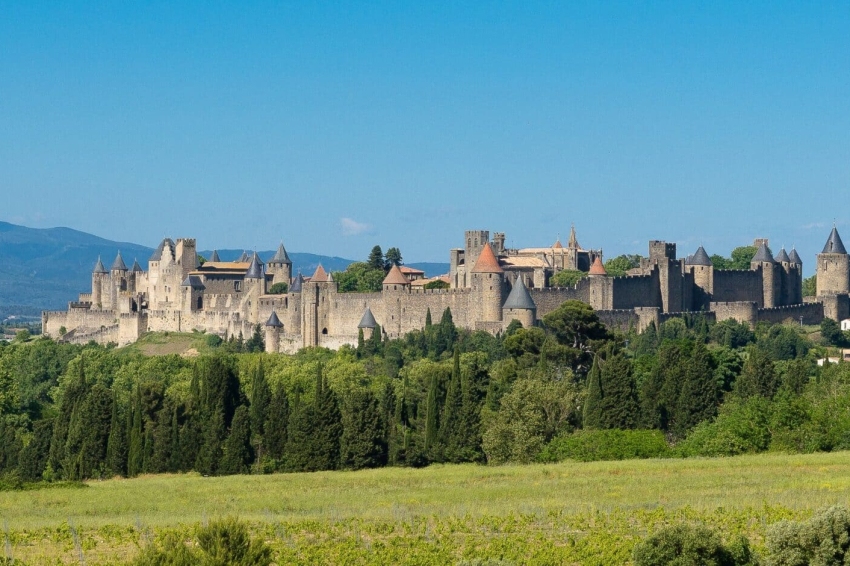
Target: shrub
x=614, y=444
x=279, y=289
x=822, y=540
x=689, y=545
x=742, y=427
x=224, y=542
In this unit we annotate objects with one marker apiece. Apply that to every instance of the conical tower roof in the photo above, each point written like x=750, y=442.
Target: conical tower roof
x=256, y=269
x=834, y=245
x=573, y=241
x=118, y=264
x=487, y=262
x=166, y=243
x=520, y=298
x=557, y=245
x=98, y=267
x=297, y=284
x=597, y=268
x=214, y=257
x=395, y=277
x=320, y=275
x=700, y=257
x=274, y=321
x=281, y=256
x=136, y=267
x=763, y=255
x=782, y=256
x=368, y=320
x=244, y=258
x=795, y=257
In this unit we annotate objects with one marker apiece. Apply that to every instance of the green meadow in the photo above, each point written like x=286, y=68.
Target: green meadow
x=567, y=513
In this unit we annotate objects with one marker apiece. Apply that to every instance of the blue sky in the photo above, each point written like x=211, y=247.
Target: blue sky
x=336, y=126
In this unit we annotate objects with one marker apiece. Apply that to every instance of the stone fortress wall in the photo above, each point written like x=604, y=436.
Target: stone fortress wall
x=490, y=285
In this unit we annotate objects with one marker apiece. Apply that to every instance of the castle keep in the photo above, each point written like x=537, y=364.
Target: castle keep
x=490, y=285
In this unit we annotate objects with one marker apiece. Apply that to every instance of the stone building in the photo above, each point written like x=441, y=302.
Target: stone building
x=490, y=286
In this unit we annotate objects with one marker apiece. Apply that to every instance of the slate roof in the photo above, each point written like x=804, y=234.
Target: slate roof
x=395, y=277
x=520, y=297
x=297, y=284
x=98, y=267
x=597, y=268
x=281, y=256
x=118, y=264
x=795, y=257
x=274, y=321
x=136, y=267
x=782, y=256
x=368, y=320
x=700, y=257
x=157, y=254
x=763, y=255
x=214, y=257
x=487, y=262
x=256, y=269
x=834, y=245
x=194, y=282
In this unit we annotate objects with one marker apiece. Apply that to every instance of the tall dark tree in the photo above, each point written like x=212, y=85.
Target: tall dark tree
x=33, y=458
x=376, y=258
x=363, y=444
x=10, y=446
x=758, y=377
x=700, y=393
x=612, y=400
x=135, y=454
x=256, y=343
x=300, y=437
x=328, y=431
x=393, y=257
x=72, y=398
x=432, y=411
x=94, y=417
x=593, y=402
x=116, y=447
x=209, y=455
x=260, y=400
x=277, y=419
x=238, y=453
x=450, y=431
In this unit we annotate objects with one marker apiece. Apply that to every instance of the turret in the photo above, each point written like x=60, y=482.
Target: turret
x=214, y=257
x=488, y=281
x=703, y=271
x=273, y=329
x=395, y=280
x=280, y=266
x=519, y=306
x=771, y=282
x=601, y=286
x=367, y=323
x=193, y=294
x=133, y=277
x=833, y=268
x=97, y=277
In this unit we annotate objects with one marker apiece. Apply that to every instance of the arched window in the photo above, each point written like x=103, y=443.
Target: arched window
x=325, y=331
x=200, y=303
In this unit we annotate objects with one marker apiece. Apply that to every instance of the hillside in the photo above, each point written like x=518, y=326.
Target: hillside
x=46, y=268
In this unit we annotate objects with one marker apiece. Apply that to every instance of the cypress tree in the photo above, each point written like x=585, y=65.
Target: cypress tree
x=699, y=397
x=116, y=448
x=260, y=400
x=360, y=342
x=399, y=434
x=135, y=455
x=191, y=439
x=147, y=450
x=10, y=446
x=277, y=420
x=758, y=377
x=238, y=453
x=174, y=443
x=470, y=422
x=33, y=458
x=593, y=406
x=450, y=434
x=363, y=437
x=94, y=418
x=73, y=395
x=160, y=457
x=431, y=412
x=300, y=437
x=209, y=455
x=428, y=318
x=619, y=392
x=328, y=432
x=672, y=361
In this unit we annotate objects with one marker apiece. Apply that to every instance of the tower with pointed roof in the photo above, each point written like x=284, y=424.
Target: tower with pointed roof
x=519, y=306
x=488, y=285
x=700, y=266
x=273, y=329
x=833, y=267
x=770, y=275
x=280, y=266
x=99, y=276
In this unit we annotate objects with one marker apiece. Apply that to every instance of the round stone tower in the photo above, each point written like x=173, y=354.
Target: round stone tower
x=280, y=266
x=833, y=268
x=273, y=329
x=771, y=285
x=488, y=284
x=97, y=277
x=519, y=306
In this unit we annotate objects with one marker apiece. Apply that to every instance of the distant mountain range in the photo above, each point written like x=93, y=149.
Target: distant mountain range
x=46, y=268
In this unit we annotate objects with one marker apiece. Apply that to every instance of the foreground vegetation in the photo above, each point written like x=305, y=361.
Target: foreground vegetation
x=591, y=513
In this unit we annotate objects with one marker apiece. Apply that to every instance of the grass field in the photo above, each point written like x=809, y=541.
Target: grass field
x=566, y=513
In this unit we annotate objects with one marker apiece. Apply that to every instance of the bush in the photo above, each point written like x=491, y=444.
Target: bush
x=224, y=542
x=279, y=289
x=687, y=545
x=822, y=540
x=614, y=444
x=742, y=427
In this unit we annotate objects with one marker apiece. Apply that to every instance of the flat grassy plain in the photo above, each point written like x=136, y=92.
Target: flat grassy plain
x=568, y=513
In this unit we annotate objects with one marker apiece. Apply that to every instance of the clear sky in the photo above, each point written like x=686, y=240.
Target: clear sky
x=336, y=126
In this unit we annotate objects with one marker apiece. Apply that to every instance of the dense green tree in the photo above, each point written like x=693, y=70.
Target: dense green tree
x=33, y=457
x=376, y=258
x=758, y=377
x=699, y=395
x=363, y=442
x=256, y=343
x=328, y=430
x=135, y=453
x=810, y=286
x=280, y=288
x=612, y=400
x=567, y=278
x=830, y=333
x=360, y=277
x=10, y=446
x=436, y=284
x=260, y=401
x=621, y=264
x=392, y=257
x=73, y=396
x=214, y=434
x=238, y=453
x=116, y=447
x=275, y=427
x=576, y=326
